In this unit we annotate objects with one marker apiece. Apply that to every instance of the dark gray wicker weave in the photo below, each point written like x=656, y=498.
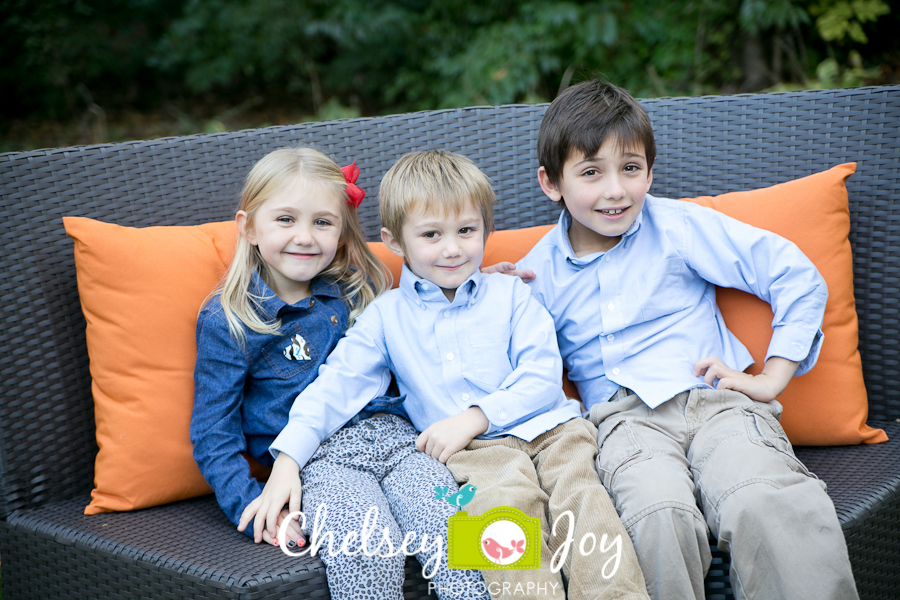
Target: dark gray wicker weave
x=188, y=549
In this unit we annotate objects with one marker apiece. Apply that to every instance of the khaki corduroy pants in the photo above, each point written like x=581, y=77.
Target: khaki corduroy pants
x=544, y=478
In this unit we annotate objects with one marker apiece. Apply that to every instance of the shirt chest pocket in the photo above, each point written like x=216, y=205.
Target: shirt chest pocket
x=291, y=354
x=663, y=288
x=489, y=353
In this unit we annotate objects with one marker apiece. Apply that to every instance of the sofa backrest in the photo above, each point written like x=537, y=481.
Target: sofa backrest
x=706, y=146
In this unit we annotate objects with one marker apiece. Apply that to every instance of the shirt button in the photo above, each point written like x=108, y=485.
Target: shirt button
x=424, y=286
x=607, y=258
x=449, y=356
x=502, y=414
x=610, y=337
x=465, y=396
x=616, y=371
x=334, y=319
x=611, y=306
x=446, y=314
x=312, y=303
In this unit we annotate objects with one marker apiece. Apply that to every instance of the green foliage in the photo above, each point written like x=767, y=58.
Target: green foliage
x=511, y=51
x=332, y=58
x=839, y=19
x=218, y=42
x=760, y=15
x=57, y=54
x=830, y=74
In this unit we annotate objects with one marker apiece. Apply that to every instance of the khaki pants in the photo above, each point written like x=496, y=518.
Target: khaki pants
x=715, y=460
x=544, y=478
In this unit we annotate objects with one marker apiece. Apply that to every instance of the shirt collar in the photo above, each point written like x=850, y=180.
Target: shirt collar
x=563, y=242
x=271, y=305
x=420, y=290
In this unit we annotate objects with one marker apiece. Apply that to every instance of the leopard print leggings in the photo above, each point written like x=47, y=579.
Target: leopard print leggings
x=375, y=463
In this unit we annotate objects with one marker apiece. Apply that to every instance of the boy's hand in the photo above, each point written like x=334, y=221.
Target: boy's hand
x=282, y=488
x=450, y=435
x=507, y=268
x=764, y=387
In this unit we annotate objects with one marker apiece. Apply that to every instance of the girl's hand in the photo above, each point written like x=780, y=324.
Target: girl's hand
x=282, y=488
x=508, y=268
x=293, y=531
x=450, y=435
x=764, y=387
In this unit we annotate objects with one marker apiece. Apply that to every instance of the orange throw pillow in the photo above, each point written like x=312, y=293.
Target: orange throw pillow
x=828, y=405
x=141, y=290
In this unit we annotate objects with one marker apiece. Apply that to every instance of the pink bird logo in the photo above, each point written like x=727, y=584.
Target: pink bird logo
x=498, y=552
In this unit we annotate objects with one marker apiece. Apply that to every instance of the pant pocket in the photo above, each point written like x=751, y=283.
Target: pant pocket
x=764, y=430
x=619, y=448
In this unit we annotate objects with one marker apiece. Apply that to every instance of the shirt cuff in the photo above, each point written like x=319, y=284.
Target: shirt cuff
x=297, y=441
x=246, y=502
x=793, y=343
x=499, y=419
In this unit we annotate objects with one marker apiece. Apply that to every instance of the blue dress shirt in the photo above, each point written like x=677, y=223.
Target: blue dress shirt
x=641, y=314
x=494, y=347
x=242, y=394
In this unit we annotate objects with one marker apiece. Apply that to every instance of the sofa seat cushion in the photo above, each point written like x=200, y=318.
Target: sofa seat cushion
x=191, y=546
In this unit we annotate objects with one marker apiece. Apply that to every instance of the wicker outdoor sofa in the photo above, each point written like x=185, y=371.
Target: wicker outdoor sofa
x=707, y=145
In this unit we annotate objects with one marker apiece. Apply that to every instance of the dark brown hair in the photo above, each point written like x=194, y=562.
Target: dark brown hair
x=583, y=117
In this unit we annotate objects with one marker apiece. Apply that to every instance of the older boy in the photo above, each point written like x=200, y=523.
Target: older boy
x=478, y=361
x=629, y=280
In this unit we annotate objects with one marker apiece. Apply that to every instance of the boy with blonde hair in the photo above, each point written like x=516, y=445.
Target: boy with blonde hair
x=478, y=361
x=688, y=442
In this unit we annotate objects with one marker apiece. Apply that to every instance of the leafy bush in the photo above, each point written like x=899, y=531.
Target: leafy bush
x=70, y=59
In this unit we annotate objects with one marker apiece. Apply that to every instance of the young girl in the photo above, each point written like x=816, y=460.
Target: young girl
x=302, y=272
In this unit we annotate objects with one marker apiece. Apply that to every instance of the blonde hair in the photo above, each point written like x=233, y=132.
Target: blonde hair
x=436, y=180
x=355, y=268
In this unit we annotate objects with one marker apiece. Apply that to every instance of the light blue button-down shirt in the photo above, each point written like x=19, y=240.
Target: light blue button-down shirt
x=493, y=347
x=641, y=314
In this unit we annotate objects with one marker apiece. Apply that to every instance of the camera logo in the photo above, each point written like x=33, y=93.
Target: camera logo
x=501, y=538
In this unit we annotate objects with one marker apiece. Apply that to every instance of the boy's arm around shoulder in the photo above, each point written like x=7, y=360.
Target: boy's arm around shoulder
x=216, y=429
x=517, y=270
x=535, y=383
x=508, y=268
x=539, y=263
x=729, y=253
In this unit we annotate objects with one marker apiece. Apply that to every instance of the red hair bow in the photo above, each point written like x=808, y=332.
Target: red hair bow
x=356, y=193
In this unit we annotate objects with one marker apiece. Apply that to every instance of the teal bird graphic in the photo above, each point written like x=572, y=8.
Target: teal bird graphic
x=460, y=498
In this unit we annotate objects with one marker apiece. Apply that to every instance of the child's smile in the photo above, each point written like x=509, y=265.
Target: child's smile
x=604, y=194
x=444, y=250
x=613, y=213
x=297, y=232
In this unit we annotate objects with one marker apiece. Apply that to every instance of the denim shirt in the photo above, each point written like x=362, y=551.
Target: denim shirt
x=641, y=314
x=243, y=393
